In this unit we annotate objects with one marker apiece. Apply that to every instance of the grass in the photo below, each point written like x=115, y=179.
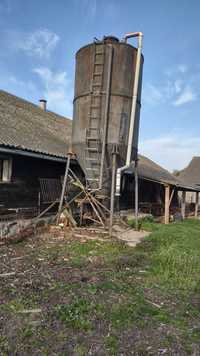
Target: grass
x=104, y=298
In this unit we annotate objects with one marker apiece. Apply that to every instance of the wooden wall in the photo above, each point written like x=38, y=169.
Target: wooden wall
x=23, y=189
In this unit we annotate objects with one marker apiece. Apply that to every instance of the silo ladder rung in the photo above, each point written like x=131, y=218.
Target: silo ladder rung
x=95, y=106
x=92, y=169
x=92, y=149
x=97, y=74
x=90, y=138
x=92, y=160
x=93, y=179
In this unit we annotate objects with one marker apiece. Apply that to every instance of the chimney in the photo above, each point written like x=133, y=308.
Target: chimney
x=43, y=104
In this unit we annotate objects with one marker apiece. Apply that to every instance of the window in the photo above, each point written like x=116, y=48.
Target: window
x=5, y=169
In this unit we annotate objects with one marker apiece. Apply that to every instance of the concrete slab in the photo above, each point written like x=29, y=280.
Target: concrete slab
x=130, y=236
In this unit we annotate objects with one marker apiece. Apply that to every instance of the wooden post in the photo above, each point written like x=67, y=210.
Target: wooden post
x=167, y=199
x=183, y=204
x=196, y=205
x=64, y=186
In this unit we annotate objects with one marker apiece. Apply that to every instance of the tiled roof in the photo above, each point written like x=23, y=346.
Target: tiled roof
x=26, y=126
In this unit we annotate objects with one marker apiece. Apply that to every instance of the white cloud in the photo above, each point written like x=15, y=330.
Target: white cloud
x=20, y=84
x=171, y=151
x=187, y=96
x=174, y=89
x=39, y=43
x=57, y=90
x=151, y=94
x=182, y=68
x=178, y=84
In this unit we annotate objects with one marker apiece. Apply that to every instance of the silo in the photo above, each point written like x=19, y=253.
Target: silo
x=104, y=79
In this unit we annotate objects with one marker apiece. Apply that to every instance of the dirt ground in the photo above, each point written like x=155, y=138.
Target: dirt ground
x=64, y=294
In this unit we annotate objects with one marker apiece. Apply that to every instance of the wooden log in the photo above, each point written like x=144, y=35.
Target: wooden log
x=67, y=214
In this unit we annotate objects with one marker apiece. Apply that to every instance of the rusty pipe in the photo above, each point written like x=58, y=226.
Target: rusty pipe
x=133, y=34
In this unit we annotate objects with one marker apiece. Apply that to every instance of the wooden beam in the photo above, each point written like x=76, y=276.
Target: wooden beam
x=167, y=200
x=196, y=205
x=183, y=204
x=171, y=196
x=64, y=186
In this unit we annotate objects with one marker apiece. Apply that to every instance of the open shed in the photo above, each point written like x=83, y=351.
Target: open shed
x=158, y=190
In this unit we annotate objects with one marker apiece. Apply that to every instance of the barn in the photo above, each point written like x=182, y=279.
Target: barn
x=33, y=149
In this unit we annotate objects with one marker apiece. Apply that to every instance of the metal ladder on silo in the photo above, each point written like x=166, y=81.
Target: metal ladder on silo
x=93, y=133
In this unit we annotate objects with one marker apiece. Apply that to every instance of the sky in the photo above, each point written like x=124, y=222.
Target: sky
x=39, y=39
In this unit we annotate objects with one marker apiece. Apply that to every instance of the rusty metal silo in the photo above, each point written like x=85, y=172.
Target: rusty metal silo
x=104, y=80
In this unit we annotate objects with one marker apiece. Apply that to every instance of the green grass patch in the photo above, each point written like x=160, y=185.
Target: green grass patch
x=174, y=255
x=79, y=313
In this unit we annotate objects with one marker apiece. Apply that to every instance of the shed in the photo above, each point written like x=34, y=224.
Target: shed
x=156, y=186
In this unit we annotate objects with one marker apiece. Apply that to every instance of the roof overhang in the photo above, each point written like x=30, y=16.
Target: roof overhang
x=178, y=185
x=21, y=152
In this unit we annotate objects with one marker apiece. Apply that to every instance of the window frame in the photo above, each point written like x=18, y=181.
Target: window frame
x=5, y=169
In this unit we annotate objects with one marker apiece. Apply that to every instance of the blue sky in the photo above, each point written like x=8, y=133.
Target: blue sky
x=39, y=39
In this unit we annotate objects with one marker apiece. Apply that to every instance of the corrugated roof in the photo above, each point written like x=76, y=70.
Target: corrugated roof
x=191, y=173
x=28, y=127
x=147, y=169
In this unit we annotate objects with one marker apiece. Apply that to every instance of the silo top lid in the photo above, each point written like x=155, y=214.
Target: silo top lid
x=110, y=39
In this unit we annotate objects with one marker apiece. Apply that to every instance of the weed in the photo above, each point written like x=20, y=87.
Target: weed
x=111, y=343
x=76, y=314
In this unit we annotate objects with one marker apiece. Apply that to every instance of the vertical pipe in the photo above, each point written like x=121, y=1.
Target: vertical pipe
x=134, y=101
x=106, y=114
x=112, y=197
x=167, y=198
x=183, y=204
x=197, y=204
x=136, y=194
x=64, y=186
